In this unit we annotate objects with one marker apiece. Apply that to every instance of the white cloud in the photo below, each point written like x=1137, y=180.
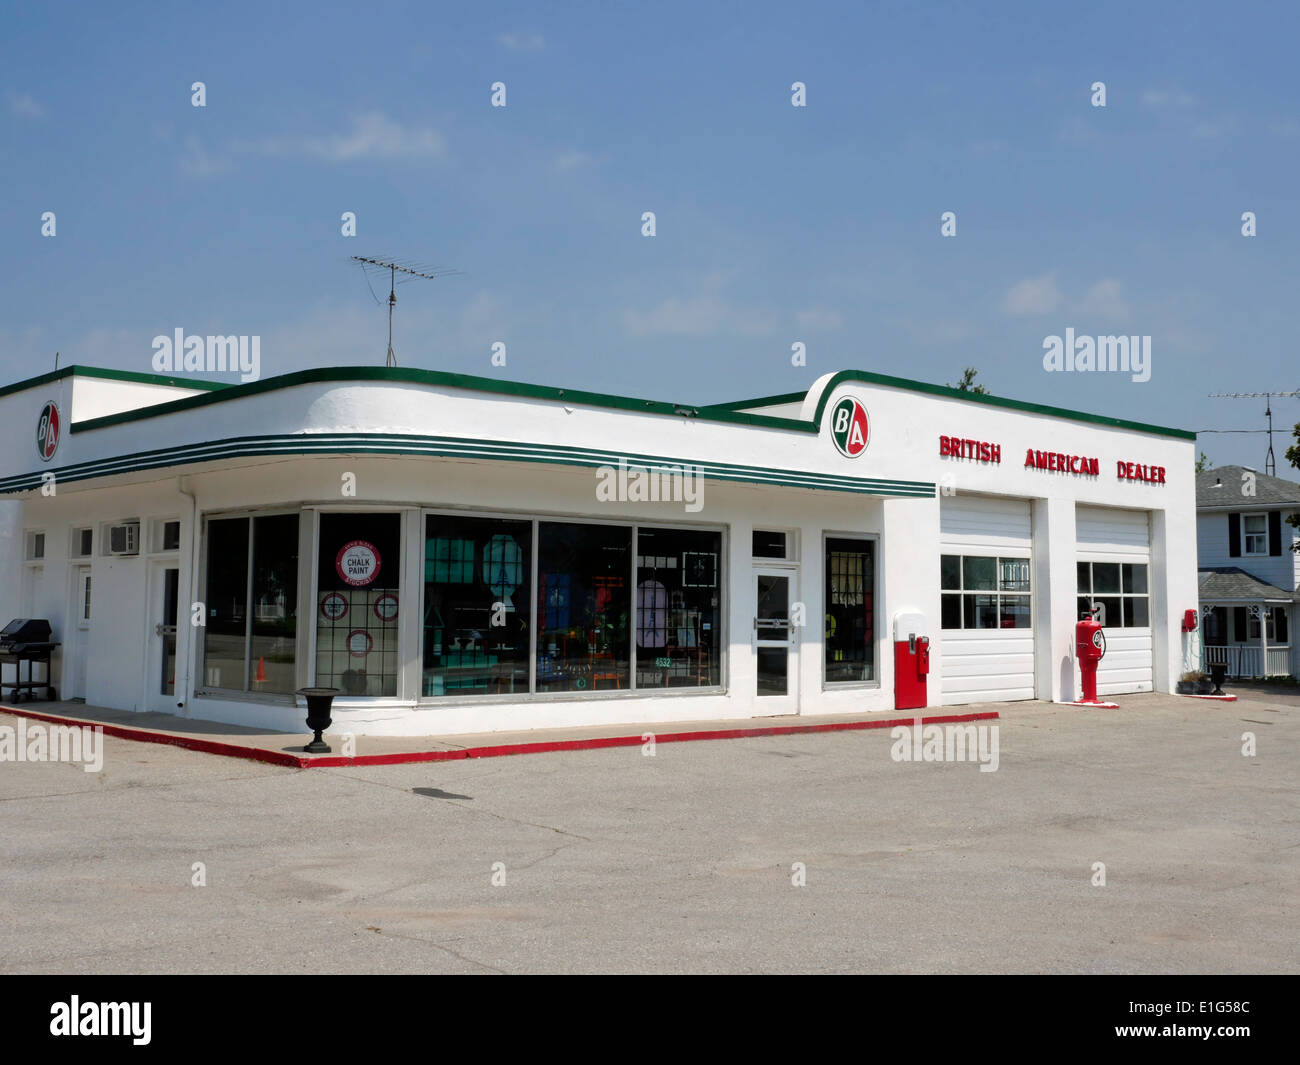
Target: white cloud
x=199, y=162
x=522, y=42
x=1167, y=99
x=819, y=318
x=23, y=105
x=1034, y=295
x=573, y=160
x=1104, y=300
x=373, y=135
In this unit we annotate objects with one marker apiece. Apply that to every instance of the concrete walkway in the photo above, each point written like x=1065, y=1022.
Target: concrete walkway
x=281, y=748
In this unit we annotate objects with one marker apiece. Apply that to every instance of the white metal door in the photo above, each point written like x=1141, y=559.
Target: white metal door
x=160, y=681
x=987, y=634
x=776, y=642
x=78, y=642
x=1114, y=554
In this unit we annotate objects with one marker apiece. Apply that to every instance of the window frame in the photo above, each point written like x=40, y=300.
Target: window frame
x=1092, y=596
x=876, y=639
x=536, y=518
x=962, y=593
x=1246, y=536
x=247, y=694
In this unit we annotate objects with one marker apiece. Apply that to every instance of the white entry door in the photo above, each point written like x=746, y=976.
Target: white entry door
x=160, y=681
x=776, y=642
x=78, y=642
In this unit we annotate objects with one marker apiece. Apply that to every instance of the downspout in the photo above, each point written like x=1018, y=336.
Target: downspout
x=185, y=607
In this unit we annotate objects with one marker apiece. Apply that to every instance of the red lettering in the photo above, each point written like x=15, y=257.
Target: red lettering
x=1093, y=467
x=1074, y=463
x=1119, y=470
x=1029, y=458
x=997, y=453
x=1161, y=471
x=1051, y=460
x=943, y=445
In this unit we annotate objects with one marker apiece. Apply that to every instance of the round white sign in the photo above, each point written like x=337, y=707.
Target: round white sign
x=357, y=563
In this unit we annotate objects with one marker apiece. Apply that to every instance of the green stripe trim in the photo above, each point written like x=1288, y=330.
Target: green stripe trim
x=457, y=447
x=993, y=401
x=764, y=401
x=113, y=375
x=441, y=379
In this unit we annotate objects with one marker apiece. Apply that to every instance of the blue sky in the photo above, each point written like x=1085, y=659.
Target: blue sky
x=775, y=224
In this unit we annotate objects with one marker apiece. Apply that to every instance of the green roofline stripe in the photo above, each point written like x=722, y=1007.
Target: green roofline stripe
x=457, y=447
x=408, y=375
x=113, y=375
x=763, y=401
x=993, y=401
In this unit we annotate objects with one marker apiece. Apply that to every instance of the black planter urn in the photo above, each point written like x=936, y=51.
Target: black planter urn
x=319, y=703
x=1217, y=673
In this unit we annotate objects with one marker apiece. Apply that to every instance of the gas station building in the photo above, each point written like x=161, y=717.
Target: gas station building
x=459, y=554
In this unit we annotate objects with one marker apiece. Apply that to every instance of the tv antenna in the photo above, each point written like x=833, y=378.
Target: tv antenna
x=393, y=267
x=1270, y=463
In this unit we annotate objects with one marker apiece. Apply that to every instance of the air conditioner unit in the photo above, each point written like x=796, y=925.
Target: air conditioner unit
x=124, y=539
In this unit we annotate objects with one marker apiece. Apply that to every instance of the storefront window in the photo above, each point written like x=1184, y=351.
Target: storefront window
x=243, y=649
x=584, y=607
x=984, y=592
x=477, y=581
x=850, y=611
x=226, y=602
x=677, y=608
x=1119, y=589
x=358, y=600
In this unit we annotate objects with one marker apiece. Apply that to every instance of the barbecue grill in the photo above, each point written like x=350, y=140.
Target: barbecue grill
x=27, y=640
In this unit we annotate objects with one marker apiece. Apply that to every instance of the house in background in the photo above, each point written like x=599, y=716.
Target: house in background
x=1249, y=572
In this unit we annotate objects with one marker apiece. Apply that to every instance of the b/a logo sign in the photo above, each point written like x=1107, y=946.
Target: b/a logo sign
x=849, y=428
x=47, y=431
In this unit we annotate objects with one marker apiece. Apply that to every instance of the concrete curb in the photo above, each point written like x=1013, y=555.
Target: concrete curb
x=294, y=761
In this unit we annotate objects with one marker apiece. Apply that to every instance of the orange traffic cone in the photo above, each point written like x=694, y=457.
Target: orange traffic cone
x=261, y=672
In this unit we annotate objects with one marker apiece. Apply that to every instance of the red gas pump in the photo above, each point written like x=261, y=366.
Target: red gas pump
x=1089, y=649
x=911, y=661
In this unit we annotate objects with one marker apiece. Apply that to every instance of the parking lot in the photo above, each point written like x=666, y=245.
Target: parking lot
x=684, y=861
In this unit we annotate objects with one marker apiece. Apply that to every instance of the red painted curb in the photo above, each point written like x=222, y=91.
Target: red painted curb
x=293, y=761
x=1094, y=706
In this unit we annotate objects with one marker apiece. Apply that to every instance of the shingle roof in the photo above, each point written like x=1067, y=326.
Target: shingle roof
x=1231, y=582
x=1221, y=487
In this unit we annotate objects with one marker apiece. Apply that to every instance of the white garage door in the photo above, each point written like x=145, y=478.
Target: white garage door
x=987, y=636
x=1115, y=572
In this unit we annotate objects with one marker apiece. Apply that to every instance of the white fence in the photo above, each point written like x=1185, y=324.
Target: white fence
x=1243, y=660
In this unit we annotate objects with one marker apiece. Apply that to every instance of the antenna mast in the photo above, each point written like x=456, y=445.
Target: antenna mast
x=1270, y=463
x=392, y=266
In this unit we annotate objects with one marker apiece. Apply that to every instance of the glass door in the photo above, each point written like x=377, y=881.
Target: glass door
x=162, y=688
x=775, y=642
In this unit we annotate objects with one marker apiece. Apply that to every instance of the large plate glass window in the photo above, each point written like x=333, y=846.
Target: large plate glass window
x=477, y=582
x=985, y=592
x=251, y=560
x=850, y=611
x=584, y=607
x=1120, y=589
x=678, y=577
x=358, y=600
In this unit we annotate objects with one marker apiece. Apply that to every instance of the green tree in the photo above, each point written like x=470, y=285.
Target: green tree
x=1204, y=463
x=967, y=382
